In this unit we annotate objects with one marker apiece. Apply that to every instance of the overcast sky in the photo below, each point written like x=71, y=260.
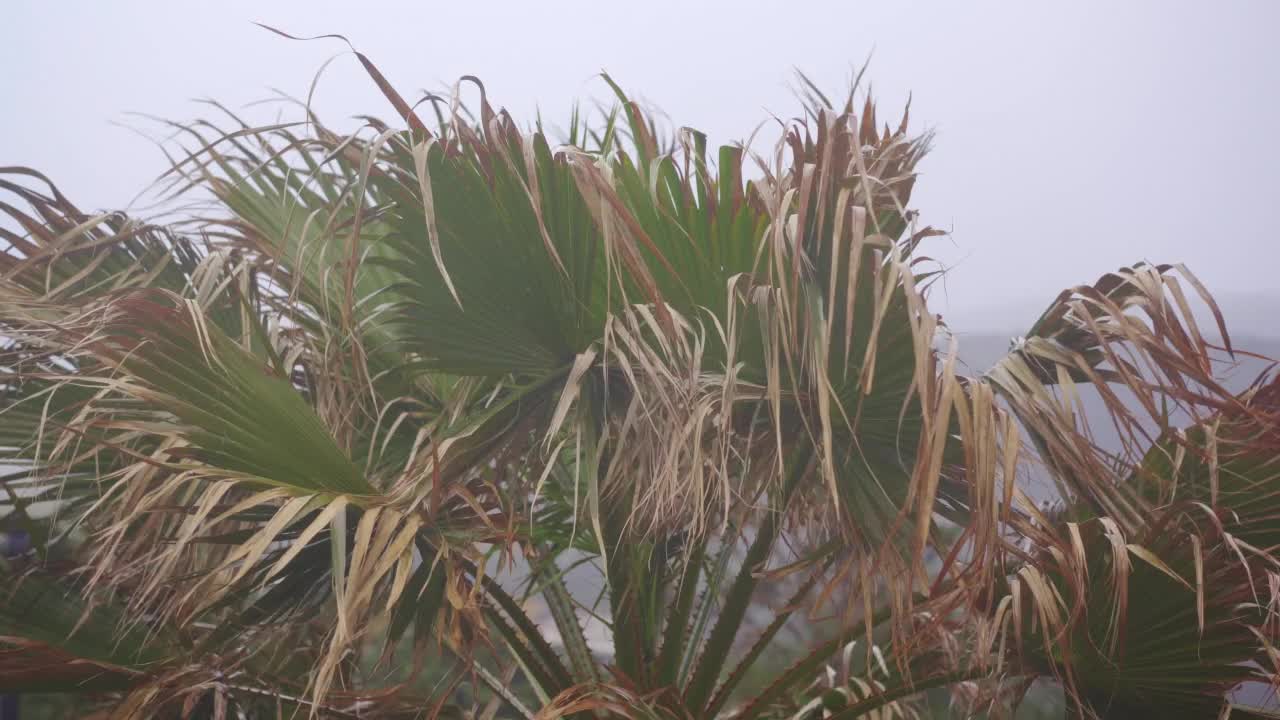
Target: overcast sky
x=1070, y=140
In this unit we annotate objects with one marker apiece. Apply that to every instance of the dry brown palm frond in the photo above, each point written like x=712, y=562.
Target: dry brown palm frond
x=679, y=433
x=842, y=686
x=613, y=699
x=1118, y=618
x=171, y=480
x=1127, y=340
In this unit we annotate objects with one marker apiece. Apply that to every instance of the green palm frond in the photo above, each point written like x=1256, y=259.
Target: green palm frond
x=52, y=641
x=1228, y=462
x=1161, y=625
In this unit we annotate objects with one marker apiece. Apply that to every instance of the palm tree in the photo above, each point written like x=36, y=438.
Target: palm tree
x=456, y=421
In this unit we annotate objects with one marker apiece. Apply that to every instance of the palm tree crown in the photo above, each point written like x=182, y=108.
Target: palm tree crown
x=337, y=440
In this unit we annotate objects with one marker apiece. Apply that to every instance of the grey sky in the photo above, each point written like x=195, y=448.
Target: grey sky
x=1070, y=140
